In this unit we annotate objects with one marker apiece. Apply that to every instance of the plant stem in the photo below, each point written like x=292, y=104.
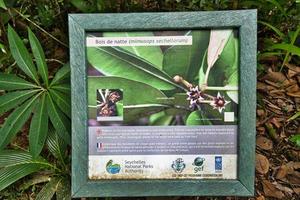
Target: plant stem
x=43, y=30
x=206, y=101
x=55, y=60
x=103, y=98
x=206, y=79
x=225, y=88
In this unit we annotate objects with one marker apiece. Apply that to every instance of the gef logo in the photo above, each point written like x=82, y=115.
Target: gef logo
x=198, y=163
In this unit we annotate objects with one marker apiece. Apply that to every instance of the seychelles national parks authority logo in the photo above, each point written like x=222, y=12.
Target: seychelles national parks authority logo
x=112, y=168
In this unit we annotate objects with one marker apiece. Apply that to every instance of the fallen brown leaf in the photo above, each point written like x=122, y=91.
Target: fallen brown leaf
x=292, y=73
x=276, y=122
x=262, y=164
x=260, y=198
x=293, y=88
x=294, y=178
x=271, y=191
x=297, y=190
x=282, y=172
x=294, y=94
x=260, y=112
x=264, y=143
x=283, y=188
x=275, y=76
x=293, y=67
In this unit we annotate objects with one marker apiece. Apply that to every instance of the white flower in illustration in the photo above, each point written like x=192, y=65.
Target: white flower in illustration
x=219, y=103
x=195, y=96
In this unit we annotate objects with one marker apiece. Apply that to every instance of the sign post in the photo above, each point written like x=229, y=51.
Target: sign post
x=163, y=104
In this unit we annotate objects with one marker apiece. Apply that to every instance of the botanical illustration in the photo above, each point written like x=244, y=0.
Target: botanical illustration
x=169, y=85
x=109, y=103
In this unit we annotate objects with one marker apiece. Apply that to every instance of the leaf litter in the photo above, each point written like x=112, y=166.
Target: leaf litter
x=277, y=158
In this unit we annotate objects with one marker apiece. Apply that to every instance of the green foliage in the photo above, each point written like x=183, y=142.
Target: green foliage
x=21, y=55
x=32, y=97
x=152, y=54
x=137, y=101
x=50, y=105
x=127, y=65
x=56, y=185
x=38, y=127
x=185, y=60
x=150, y=89
x=2, y=5
x=295, y=139
x=160, y=119
x=18, y=164
x=39, y=56
x=196, y=118
x=287, y=47
x=90, y=6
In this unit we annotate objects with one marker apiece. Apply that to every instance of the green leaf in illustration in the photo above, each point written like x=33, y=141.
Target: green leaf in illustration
x=228, y=62
x=152, y=54
x=229, y=58
x=113, y=61
x=233, y=81
x=138, y=97
x=120, y=109
x=186, y=60
x=15, y=165
x=13, y=99
x=12, y=82
x=92, y=112
x=213, y=116
x=16, y=120
x=38, y=128
x=48, y=191
x=132, y=112
x=62, y=100
x=60, y=122
x=160, y=119
x=224, y=66
x=217, y=42
x=180, y=105
x=61, y=75
x=21, y=54
x=134, y=92
x=196, y=118
x=39, y=56
x=203, y=68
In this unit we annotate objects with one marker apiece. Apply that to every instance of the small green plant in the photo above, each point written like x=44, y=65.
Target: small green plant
x=16, y=164
x=48, y=102
x=296, y=140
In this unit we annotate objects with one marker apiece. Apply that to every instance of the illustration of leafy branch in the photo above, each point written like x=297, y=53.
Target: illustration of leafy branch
x=181, y=81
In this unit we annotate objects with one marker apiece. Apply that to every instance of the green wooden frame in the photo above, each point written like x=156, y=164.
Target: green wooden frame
x=245, y=21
